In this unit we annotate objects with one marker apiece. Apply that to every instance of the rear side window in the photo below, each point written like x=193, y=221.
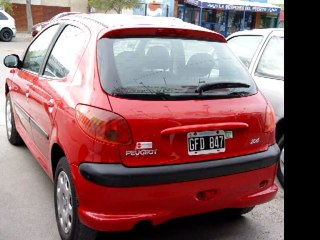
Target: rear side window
x=3, y=17
x=142, y=67
x=65, y=53
x=245, y=47
x=36, y=52
x=271, y=64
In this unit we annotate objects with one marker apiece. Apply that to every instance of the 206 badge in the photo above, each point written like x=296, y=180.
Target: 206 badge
x=255, y=140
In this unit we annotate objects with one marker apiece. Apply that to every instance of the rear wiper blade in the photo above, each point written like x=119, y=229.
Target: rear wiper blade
x=147, y=96
x=220, y=85
x=239, y=94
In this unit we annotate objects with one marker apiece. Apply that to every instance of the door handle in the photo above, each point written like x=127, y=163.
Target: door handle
x=50, y=103
x=27, y=91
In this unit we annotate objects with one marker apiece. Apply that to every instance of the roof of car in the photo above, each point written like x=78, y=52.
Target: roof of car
x=263, y=32
x=123, y=20
x=115, y=22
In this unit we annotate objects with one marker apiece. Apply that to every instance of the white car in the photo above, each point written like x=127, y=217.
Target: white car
x=7, y=27
x=262, y=51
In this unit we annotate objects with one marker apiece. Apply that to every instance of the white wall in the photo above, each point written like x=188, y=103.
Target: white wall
x=33, y=2
x=79, y=5
x=59, y=3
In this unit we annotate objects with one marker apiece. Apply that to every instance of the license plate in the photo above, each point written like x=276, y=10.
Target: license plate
x=206, y=142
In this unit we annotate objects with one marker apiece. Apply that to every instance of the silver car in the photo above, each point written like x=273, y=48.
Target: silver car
x=262, y=51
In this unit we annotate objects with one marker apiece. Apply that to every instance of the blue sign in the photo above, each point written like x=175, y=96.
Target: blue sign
x=198, y=3
x=240, y=7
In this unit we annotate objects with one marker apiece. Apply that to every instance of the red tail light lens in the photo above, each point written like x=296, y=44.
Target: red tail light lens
x=103, y=125
x=270, y=122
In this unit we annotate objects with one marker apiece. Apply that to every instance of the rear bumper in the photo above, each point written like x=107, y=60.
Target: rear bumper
x=112, y=208
x=118, y=175
x=14, y=31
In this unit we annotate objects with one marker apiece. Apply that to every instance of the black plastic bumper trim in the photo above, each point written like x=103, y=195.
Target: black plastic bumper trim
x=118, y=175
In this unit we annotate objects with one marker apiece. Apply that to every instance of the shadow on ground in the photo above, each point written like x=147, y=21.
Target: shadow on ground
x=213, y=226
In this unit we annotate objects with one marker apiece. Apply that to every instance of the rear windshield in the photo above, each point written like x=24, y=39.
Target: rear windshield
x=171, y=68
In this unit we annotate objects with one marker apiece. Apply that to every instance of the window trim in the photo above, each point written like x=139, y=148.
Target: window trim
x=253, y=68
x=256, y=51
x=50, y=49
x=54, y=39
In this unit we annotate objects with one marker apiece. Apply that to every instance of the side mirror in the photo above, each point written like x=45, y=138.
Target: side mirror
x=12, y=61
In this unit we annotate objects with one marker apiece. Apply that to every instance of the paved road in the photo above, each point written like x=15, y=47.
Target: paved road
x=26, y=198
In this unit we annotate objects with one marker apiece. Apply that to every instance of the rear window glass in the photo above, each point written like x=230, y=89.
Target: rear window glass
x=169, y=67
x=244, y=47
x=3, y=17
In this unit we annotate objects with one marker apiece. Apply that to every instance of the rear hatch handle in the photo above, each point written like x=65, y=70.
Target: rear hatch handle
x=205, y=127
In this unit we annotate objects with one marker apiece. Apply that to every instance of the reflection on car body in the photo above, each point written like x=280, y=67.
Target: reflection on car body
x=39, y=26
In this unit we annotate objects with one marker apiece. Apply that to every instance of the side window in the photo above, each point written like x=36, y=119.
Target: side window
x=66, y=53
x=37, y=50
x=3, y=17
x=271, y=64
x=244, y=47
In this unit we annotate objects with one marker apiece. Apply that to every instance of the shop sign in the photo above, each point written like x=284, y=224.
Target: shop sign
x=193, y=2
x=240, y=7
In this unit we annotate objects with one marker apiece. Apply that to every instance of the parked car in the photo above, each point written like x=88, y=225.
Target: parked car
x=7, y=27
x=140, y=119
x=39, y=26
x=262, y=52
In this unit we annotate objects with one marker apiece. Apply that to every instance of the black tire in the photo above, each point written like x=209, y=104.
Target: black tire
x=13, y=135
x=6, y=35
x=77, y=230
x=280, y=173
x=236, y=212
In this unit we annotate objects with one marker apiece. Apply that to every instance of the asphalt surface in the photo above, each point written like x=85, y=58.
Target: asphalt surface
x=27, y=208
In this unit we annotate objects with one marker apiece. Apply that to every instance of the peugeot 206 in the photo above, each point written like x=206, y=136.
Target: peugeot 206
x=140, y=119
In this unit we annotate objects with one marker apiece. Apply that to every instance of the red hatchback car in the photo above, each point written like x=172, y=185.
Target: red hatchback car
x=140, y=119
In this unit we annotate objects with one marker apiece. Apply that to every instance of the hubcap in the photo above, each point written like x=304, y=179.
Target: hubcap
x=282, y=162
x=8, y=119
x=64, y=202
x=6, y=35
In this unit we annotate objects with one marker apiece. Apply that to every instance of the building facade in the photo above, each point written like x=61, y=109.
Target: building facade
x=43, y=10
x=229, y=16
x=155, y=8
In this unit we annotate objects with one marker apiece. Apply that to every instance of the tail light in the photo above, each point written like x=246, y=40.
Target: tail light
x=102, y=125
x=270, y=122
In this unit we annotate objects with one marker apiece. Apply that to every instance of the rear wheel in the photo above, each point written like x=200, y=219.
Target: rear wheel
x=280, y=172
x=12, y=133
x=66, y=207
x=6, y=35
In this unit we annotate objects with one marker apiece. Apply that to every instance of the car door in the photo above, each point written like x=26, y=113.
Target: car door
x=268, y=70
x=48, y=90
x=24, y=78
